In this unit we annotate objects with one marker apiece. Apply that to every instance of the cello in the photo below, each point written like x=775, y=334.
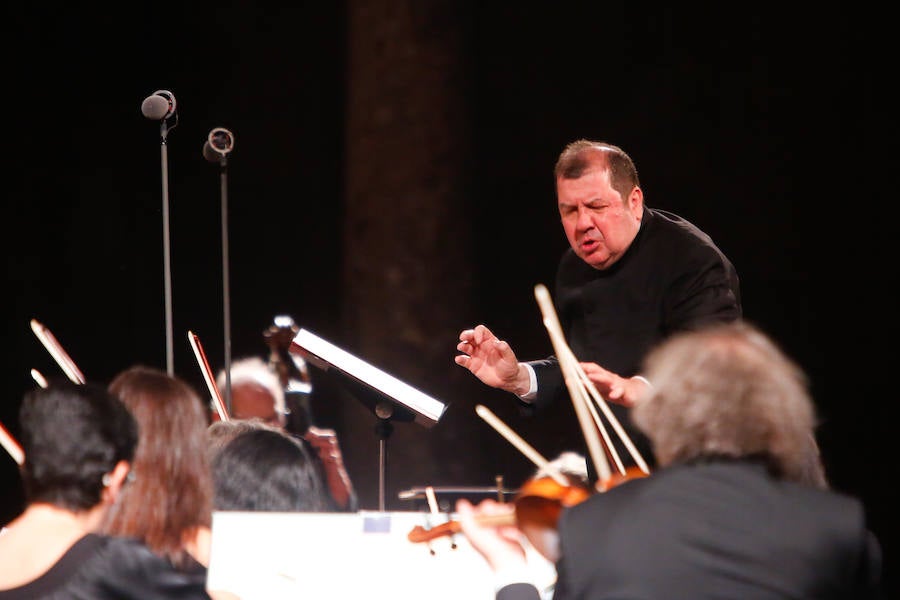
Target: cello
x=295, y=379
x=292, y=372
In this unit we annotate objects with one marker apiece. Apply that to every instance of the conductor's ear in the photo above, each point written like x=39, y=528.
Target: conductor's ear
x=636, y=200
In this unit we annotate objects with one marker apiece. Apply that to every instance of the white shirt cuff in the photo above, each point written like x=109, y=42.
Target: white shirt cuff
x=532, y=384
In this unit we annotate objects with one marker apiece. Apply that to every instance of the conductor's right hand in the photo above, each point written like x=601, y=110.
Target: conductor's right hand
x=491, y=360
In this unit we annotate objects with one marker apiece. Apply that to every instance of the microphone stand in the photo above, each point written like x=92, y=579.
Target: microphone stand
x=226, y=294
x=219, y=143
x=167, y=254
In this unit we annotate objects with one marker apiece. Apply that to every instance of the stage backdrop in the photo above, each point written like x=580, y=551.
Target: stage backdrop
x=390, y=185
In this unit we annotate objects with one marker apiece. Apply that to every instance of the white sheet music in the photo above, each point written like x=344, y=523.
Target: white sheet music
x=426, y=409
x=281, y=556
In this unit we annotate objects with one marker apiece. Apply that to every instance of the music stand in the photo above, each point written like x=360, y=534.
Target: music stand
x=386, y=396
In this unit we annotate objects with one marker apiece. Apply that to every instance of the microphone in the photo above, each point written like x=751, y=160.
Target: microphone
x=160, y=105
x=218, y=144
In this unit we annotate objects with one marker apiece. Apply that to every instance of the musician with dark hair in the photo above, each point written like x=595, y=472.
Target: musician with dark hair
x=78, y=442
x=261, y=468
x=258, y=393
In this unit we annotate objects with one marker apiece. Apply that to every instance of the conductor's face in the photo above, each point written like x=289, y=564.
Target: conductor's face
x=598, y=222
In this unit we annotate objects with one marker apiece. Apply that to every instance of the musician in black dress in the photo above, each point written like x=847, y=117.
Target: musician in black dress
x=78, y=442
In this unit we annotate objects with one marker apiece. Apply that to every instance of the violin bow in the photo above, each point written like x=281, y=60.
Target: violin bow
x=207, y=375
x=56, y=351
x=39, y=378
x=599, y=401
x=11, y=446
x=581, y=390
x=9, y=443
x=513, y=438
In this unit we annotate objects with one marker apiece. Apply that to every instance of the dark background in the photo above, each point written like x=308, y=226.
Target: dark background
x=768, y=127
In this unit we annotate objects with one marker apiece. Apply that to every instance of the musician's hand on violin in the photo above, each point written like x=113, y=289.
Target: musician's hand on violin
x=500, y=545
x=626, y=391
x=491, y=360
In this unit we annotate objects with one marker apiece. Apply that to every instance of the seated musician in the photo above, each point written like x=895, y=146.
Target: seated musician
x=257, y=393
x=738, y=508
x=261, y=468
x=78, y=442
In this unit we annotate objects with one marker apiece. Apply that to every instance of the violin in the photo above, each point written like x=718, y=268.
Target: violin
x=539, y=505
x=618, y=478
x=539, y=502
x=535, y=511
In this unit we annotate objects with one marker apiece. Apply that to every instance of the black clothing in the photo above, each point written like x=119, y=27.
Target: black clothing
x=518, y=591
x=672, y=278
x=720, y=529
x=100, y=567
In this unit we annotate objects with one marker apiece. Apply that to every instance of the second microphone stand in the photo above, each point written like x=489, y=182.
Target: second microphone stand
x=218, y=145
x=226, y=293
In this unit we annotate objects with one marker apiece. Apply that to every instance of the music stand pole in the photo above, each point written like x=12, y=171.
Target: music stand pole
x=383, y=430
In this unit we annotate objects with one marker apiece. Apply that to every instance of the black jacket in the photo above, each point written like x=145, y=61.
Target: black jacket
x=723, y=529
x=103, y=567
x=672, y=278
